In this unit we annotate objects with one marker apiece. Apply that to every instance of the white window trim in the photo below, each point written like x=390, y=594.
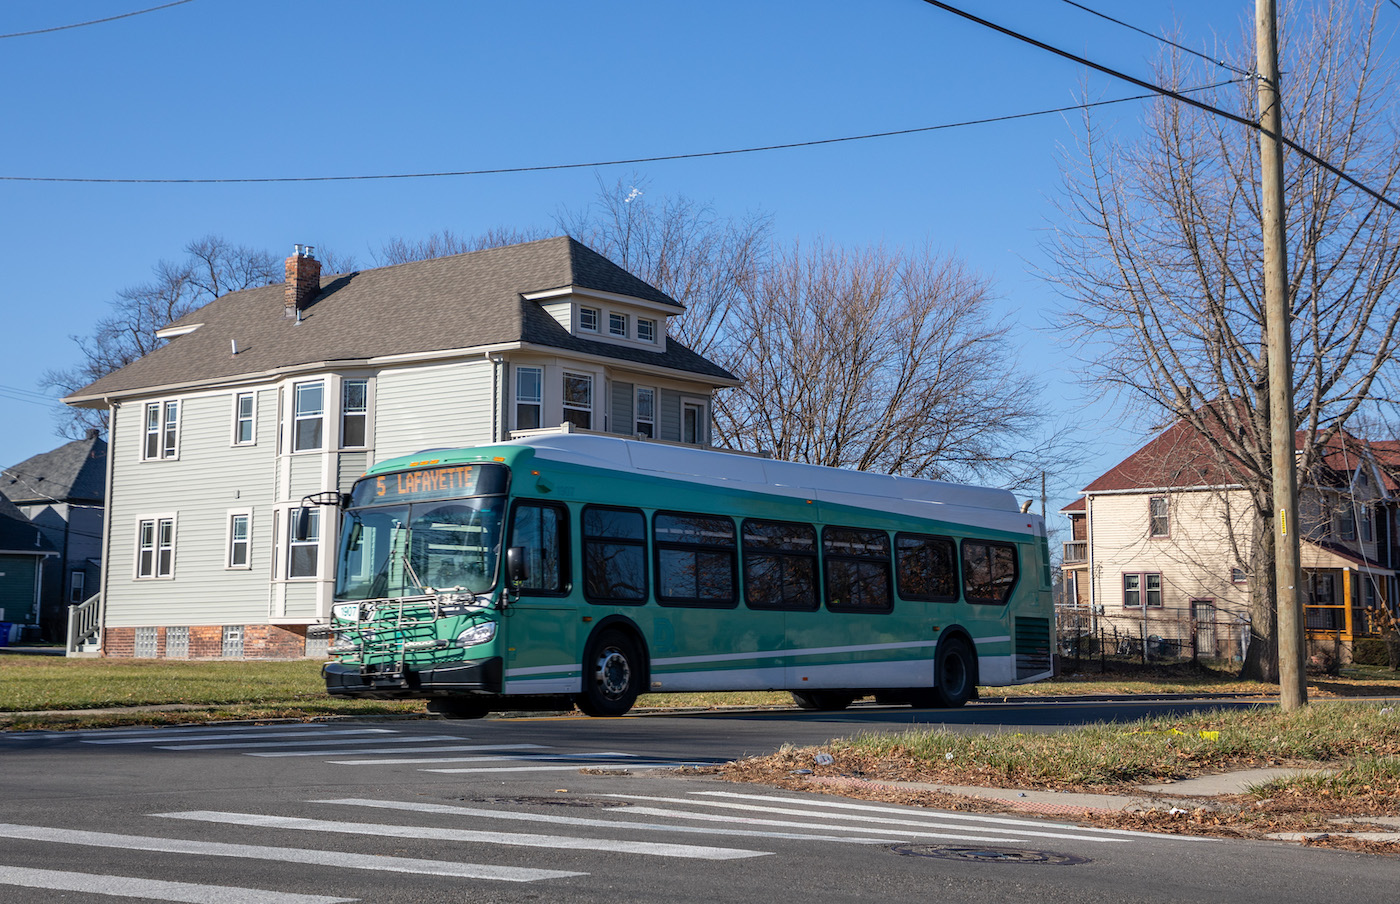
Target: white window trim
x=293, y=542
x=637, y=419
x=155, y=520
x=366, y=412
x=163, y=408
x=252, y=419
x=77, y=585
x=702, y=423
x=322, y=416
x=626, y=324
x=592, y=397
x=598, y=315
x=537, y=403
x=228, y=540
x=647, y=320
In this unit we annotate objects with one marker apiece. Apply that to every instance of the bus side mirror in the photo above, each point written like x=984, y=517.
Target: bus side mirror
x=517, y=566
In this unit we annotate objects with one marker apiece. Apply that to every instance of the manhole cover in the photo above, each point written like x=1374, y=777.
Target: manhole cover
x=560, y=801
x=988, y=854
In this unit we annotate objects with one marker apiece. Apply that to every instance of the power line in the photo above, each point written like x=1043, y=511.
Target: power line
x=600, y=163
x=139, y=12
x=1167, y=92
x=1163, y=39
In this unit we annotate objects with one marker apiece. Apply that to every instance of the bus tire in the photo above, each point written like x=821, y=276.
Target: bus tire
x=822, y=701
x=954, y=673
x=458, y=707
x=612, y=675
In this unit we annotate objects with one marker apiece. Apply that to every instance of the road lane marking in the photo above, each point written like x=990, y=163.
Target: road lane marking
x=366, y=752
x=319, y=742
x=373, y=862
x=154, y=889
x=556, y=842
x=571, y=767
x=961, y=817
x=524, y=757
x=558, y=819
x=230, y=737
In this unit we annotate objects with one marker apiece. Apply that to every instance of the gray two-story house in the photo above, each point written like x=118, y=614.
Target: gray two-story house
x=266, y=395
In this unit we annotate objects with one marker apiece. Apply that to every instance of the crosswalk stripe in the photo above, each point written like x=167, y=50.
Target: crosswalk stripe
x=176, y=730
x=366, y=752
x=523, y=757
x=557, y=842
x=230, y=737
x=374, y=862
x=570, y=767
x=238, y=745
x=962, y=817
x=559, y=819
x=154, y=889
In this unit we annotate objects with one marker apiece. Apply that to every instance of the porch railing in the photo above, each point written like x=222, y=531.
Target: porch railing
x=84, y=624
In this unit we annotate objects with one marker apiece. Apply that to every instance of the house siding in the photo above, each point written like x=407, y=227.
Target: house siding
x=419, y=408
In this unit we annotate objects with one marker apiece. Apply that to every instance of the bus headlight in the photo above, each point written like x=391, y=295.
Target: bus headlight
x=478, y=633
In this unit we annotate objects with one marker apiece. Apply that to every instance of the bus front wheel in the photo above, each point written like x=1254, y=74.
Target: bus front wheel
x=822, y=701
x=612, y=675
x=954, y=672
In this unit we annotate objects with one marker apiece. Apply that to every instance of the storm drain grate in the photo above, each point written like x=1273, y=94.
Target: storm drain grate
x=561, y=801
x=987, y=854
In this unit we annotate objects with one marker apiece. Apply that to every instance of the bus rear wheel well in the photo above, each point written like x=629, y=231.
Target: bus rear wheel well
x=616, y=668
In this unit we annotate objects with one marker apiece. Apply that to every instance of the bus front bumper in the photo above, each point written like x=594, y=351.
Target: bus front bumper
x=473, y=675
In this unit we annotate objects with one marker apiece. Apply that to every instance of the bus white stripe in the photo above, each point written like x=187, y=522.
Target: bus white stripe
x=377, y=862
x=517, y=839
x=154, y=889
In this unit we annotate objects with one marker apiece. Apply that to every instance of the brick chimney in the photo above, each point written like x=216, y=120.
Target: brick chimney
x=303, y=280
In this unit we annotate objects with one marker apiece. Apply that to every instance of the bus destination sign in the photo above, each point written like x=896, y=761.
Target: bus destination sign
x=447, y=482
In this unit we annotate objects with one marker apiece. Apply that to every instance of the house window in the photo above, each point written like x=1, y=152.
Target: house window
x=1368, y=530
x=588, y=319
x=645, y=408
x=177, y=642
x=238, y=539
x=243, y=434
x=162, y=430
x=693, y=422
x=232, y=647
x=617, y=324
x=302, y=553
x=1142, y=587
x=1239, y=576
x=354, y=412
x=1158, y=523
x=578, y=400
x=529, y=397
x=309, y=416
x=155, y=548
x=144, y=644
x=646, y=330
x=77, y=586
x=1346, y=522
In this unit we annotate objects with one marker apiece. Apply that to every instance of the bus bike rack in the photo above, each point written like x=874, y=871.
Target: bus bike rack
x=430, y=610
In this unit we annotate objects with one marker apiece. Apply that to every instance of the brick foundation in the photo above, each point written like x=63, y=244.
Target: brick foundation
x=207, y=642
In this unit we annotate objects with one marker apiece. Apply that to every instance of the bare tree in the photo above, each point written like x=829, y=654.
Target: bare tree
x=876, y=360
x=212, y=267
x=681, y=246
x=1160, y=256
x=400, y=250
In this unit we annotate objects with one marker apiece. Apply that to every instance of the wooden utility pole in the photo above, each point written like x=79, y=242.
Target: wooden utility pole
x=1278, y=340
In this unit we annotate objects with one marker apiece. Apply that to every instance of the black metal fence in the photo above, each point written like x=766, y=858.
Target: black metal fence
x=1085, y=637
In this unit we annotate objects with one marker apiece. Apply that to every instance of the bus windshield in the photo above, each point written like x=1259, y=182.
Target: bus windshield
x=415, y=542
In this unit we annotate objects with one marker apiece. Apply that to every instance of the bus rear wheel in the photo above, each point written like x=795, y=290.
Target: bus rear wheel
x=822, y=701
x=612, y=675
x=458, y=707
x=954, y=673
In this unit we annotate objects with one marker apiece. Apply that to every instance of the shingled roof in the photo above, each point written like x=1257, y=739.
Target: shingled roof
x=18, y=535
x=74, y=472
x=460, y=302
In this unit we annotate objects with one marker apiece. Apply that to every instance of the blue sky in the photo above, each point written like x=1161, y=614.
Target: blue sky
x=254, y=88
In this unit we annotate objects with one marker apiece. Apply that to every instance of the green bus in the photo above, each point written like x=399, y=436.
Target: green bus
x=593, y=568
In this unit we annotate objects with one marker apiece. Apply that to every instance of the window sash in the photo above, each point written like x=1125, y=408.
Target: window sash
x=354, y=413
x=578, y=399
x=302, y=555
x=617, y=323
x=1158, y=522
x=155, y=548
x=308, y=416
x=162, y=430
x=646, y=329
x=529, y=397
x=243, y=419
x=238, y=541
x=588, y=319
x=645, y=410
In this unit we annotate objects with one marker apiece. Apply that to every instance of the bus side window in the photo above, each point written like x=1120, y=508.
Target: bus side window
x=990, y=571
x=857, y=570
x=780, y=565
x=926, y=567
x=695, y=559
x=614, y=555
x=543, y=530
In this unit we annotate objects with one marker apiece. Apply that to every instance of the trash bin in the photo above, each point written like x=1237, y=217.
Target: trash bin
x=5, y=633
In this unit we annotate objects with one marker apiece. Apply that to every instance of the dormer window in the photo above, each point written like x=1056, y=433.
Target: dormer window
x=617, y=324
x=646, y=330
x=588, y=319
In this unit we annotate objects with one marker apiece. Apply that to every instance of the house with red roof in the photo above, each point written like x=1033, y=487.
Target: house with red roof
x=1162, y=546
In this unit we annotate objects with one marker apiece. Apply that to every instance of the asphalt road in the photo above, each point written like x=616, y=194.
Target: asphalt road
x=575, y=809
